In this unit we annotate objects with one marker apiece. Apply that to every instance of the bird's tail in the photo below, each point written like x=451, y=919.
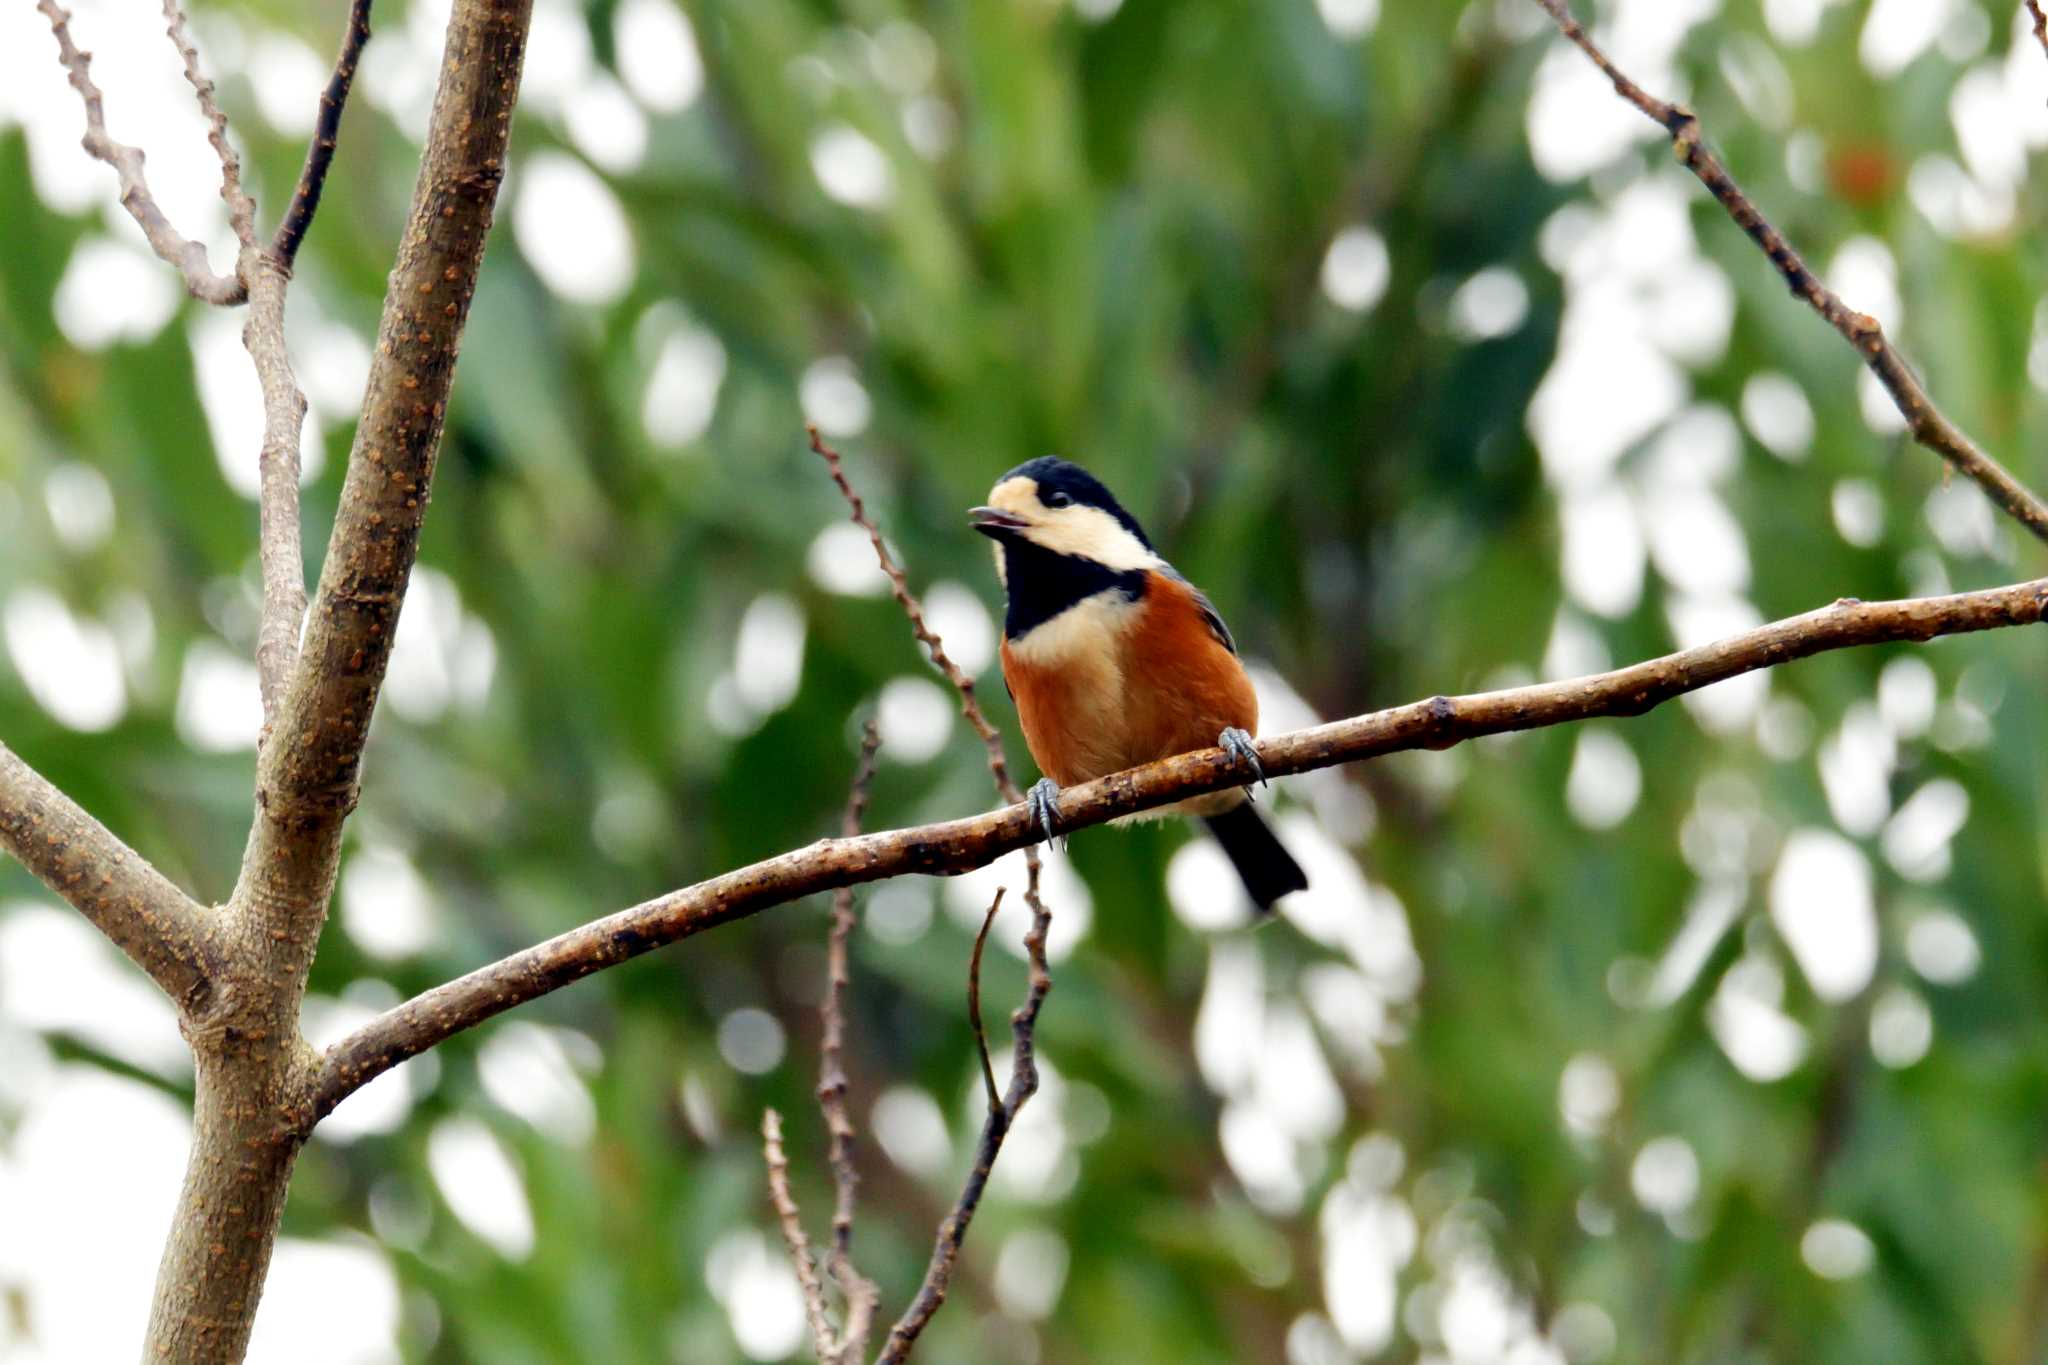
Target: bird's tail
x=1269, y=871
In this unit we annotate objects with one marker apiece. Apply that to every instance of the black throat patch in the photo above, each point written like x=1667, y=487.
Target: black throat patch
x=1043, y=584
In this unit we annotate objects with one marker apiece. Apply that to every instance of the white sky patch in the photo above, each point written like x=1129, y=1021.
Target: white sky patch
x=476, y=1177
x=1348, y=19
x=912, y=1130
x=571, y=229
x=1604, y=551
x=1907, y=693
x=220, y=704
x=1916, y=839
x=1293, y=1083
x=1665, y=1175
x=930, y=126
x=113, y=290
x=1823, y=905
x=558, y=59
x=1858, y=511
x=287, y=77
x=89, y=1179
x=1901, y=1027
x=1708, y=915
x=1351, y=1014
x=1776, y=411
x=967, y=896
x=1942, y=948
x=1576, y=648
x=80, y=504
x=70, y=664
x=333, y=363
x=657, y=55
x=759, y=1292
x=898, y=912
x=1695, y=541
x=851, y=168
x=58, y=975
x=752, y=1041
x=528, y=1070
x=1493, y=303
x=327, y=1303
x=386, y=907
x=833, y=397
x=1856, y=765
x=1836, y=1250
x=1897, y=31
x=1263, y=1157
x=1747, y=1019
x=605, y=124
x=1604, y=781
x=1954, y=202
x=683, y=385
x=1865, y=275
x=958, y=617
x=1230, y=1022
x=1588, y=1093
x=915, y=717
x=1796, y=22
x=842, y=561
x=1204, y=890
x=768, y=655
x=1031, y=1270
x=1341, y=909
x=1356, y=268
x=1368, y=1236
x=904, y=57
x=1964, y=521
x=441, y=656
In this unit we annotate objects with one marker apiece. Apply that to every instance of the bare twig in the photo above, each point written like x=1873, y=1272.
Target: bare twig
x=988, y=1070
x=860, y=1292
x=241, y=209
x=955, y=846
x=326, y=133
x=280, y=551
x=158, y=926
x=1927, y=424
x=187, y=255
x=2040, y=23
x=1023, y=1022
x=793, y=1236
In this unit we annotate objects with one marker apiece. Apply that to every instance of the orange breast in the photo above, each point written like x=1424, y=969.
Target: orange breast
x=1160, y=683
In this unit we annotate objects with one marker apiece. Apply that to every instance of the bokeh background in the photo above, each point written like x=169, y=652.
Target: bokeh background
x=1717, y=1035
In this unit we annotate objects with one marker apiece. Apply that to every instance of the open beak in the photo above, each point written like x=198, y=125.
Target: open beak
x=994, y=522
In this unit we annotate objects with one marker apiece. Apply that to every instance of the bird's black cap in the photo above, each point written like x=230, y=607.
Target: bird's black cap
x=1052, y=473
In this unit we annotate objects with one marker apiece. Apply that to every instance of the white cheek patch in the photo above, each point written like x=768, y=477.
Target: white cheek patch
x=1083, y=532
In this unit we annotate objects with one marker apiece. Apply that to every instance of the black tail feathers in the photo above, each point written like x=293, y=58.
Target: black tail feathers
x=1269, y=871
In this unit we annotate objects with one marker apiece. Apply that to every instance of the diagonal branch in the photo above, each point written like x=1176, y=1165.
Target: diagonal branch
x=158, y=926
x=1926, y=422
x=955, y=846
x=187, y=255
x=326, y=133
x=791, y=1218
x=241, y=209
x=279, y=548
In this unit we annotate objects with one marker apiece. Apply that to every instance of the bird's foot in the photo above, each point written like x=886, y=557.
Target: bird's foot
x=1238, y=744
x=1044, y=799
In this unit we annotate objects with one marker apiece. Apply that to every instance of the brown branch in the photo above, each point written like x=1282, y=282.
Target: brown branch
x=326, y=133
x=160, y=928
x=860, y=1292
x=280, y=551
x=1024, y=1021
x=955, y=846
x=1926, y=422
x=187, y=255
x=988, y=1070
x=241, y=210
x=787, y=1214
x=2040, y=23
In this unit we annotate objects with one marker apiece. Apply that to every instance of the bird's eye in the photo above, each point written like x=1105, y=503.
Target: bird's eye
x=1057, y=499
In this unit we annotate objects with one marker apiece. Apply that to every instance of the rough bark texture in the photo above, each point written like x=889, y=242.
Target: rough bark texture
x=955, y=846
x=254, y=1068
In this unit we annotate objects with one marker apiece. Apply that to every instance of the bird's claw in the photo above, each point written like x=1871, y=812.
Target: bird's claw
x=1238, y=744
x=1043, y=798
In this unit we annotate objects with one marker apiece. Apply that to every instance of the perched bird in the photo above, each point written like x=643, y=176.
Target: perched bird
x=1115, y=659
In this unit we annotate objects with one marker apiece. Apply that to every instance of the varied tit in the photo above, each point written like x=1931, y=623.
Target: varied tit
x=1115, y=659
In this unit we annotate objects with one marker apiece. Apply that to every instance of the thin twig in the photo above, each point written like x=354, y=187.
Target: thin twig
x=326, y=133
x=793, y=1233
x=171, y=246
x=2040, y=23
x=1926, y=422
x=988, y=1070
x=241, y=209
x=861, y=1294
x=1024, y=1021
x=279, y=548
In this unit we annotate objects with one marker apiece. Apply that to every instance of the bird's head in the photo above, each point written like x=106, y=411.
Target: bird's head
x=1057, y=507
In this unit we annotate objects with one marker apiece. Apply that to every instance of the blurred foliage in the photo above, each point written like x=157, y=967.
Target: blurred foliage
x=1118, y=258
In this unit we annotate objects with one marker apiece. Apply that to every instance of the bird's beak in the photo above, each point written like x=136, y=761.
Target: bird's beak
x=995, y=523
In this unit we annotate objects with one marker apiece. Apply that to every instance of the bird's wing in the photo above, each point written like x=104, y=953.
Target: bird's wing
x=1210, y=616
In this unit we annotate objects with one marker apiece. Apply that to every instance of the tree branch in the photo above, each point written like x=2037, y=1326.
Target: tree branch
x=279, y=548
x=791, y=1218
x=158, y=926
x=956, y=846
x=308, y=773
x=241, y=210
x=1926, y=422
x=326, y=133
x=188, y=256
x=2040, y=23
